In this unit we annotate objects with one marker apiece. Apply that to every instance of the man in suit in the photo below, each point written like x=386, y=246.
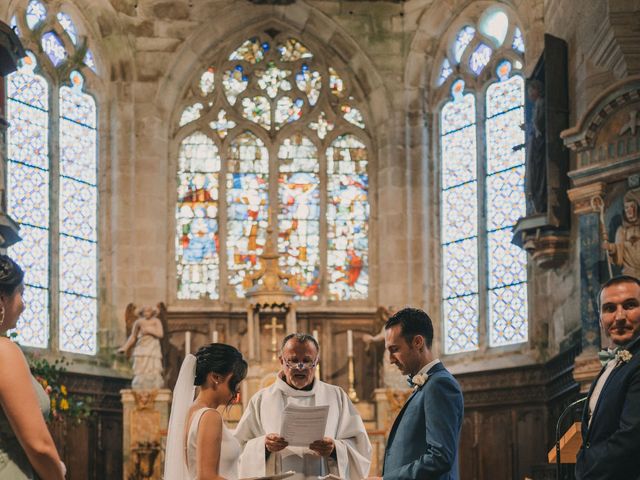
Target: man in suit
x=423, y=442
x=611, y=419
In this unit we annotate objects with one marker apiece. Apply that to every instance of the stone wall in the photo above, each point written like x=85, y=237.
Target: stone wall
x=148, y=50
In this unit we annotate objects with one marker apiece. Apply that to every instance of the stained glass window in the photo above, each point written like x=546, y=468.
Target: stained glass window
x=68, y=26
x=28, y=194
x=190, y=114
x=251, y=51
x=89, y=61
x=299, y=214
x=463, y=39
x=322, y=126
x=198, y=235
x=292, y=50
x=283, y=100
x=273, y=79
x=505, y=205
x=247, y=207
x=518, y=41
x=54, y=48
x=36, y=13
x=445, y=71
x=207, y=81
x=52, y=189
x=483, y=275
x=347, y=218
x=495, y=25
x=222, y=125
x=459, y=215
x=479, y=58
x=309, y=82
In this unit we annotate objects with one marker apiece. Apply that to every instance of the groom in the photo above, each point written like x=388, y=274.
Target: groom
x=423, y=442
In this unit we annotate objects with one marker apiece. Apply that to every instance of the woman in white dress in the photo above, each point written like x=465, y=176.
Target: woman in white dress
x=199, y=446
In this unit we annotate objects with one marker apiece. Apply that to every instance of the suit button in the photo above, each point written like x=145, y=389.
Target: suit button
x=587, y=445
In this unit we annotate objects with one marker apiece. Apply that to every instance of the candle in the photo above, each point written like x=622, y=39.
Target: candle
x=187, y=343
x=315, y=334
x=214, y=336
x=349, y=343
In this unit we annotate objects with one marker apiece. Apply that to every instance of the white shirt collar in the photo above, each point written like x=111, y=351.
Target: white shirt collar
x=428, y=366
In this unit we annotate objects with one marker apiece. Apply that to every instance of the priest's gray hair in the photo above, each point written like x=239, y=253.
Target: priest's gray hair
x=300, y=338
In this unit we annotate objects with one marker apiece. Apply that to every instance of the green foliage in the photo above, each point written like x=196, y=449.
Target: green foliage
x=63, y=406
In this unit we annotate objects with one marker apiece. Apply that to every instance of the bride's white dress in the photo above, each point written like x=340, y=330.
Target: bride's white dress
x=229, y=450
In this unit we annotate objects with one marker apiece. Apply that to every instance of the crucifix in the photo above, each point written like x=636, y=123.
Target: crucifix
x=274, y=327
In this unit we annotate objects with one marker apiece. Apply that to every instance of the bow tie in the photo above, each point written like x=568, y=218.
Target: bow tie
x=605, y=356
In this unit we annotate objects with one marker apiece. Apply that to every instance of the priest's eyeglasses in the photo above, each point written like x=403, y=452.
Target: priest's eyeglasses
x=300, y=365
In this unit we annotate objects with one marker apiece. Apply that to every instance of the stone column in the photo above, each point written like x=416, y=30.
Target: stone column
x=145, y=417
x=584, y=199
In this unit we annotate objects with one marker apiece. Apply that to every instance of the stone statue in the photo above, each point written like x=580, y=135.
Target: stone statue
x=535, y=182
x=145, y=334
x=625, y=251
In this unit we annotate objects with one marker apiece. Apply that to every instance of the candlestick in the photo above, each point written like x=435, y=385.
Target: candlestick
x=214, y=336
x=349, y=343
x=352, y=380
x=187, y=343
x=315, y=335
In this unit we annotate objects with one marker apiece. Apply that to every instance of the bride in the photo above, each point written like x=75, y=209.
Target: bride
x=199, y=446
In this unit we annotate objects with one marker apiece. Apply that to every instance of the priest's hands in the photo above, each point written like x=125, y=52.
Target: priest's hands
x=274, y=443
x=323, y=447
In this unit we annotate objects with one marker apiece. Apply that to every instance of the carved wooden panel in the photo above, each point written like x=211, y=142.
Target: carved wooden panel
x=93, y=449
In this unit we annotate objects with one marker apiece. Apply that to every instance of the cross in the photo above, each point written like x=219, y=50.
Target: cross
x=274, y=327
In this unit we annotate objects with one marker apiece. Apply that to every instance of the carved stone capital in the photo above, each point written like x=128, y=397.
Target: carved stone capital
x=547, y=250
x=585, y=199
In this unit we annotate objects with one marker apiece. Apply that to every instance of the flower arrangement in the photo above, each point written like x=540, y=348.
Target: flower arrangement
x=63, y=405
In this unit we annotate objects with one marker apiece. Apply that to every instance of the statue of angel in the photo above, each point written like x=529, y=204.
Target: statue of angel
x=146, y=332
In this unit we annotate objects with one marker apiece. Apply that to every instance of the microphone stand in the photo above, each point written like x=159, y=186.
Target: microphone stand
x=560, y=418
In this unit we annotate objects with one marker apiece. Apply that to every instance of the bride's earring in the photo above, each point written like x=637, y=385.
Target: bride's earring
x=1, y=314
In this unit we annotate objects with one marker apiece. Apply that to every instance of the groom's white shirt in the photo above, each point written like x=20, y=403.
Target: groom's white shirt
x=344, y=426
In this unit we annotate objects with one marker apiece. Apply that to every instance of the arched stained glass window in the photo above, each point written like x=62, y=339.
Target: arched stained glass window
x=482, y=193
x=290, y=133
x=198, y=235
x=247, y=206
x=52, y=186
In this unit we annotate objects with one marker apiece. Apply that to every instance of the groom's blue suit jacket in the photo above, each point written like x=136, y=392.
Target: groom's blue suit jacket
x=423, y=442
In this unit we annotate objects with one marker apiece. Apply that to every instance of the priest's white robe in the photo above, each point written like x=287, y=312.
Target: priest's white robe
x=344, y=426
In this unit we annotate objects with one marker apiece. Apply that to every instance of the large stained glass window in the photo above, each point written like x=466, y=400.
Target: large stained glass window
x=52, y=184
x=289, y=135
x=484, y=276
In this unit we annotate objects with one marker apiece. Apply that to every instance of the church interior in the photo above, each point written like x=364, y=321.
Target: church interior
x=244, y=169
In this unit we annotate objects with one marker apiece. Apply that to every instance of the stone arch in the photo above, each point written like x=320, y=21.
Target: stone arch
x=439, y=23
x=320, y=34
x=309, y=24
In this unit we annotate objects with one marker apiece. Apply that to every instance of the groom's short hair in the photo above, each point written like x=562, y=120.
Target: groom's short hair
x=412, y=321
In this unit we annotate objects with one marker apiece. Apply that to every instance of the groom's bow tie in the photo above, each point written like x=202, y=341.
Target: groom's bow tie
x=605, y=356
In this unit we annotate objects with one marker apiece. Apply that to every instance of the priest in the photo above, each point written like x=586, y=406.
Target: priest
x=344, y=450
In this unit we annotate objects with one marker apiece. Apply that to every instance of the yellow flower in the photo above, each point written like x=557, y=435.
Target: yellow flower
x=44, y=383
x=53, y=404
x=64, y=405
x=63, y=390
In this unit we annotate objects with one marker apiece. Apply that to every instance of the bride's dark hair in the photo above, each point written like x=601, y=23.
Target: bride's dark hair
x=221, y=359
x=11, y=275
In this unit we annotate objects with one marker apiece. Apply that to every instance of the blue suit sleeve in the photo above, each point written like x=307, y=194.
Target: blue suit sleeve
x=443, y=409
